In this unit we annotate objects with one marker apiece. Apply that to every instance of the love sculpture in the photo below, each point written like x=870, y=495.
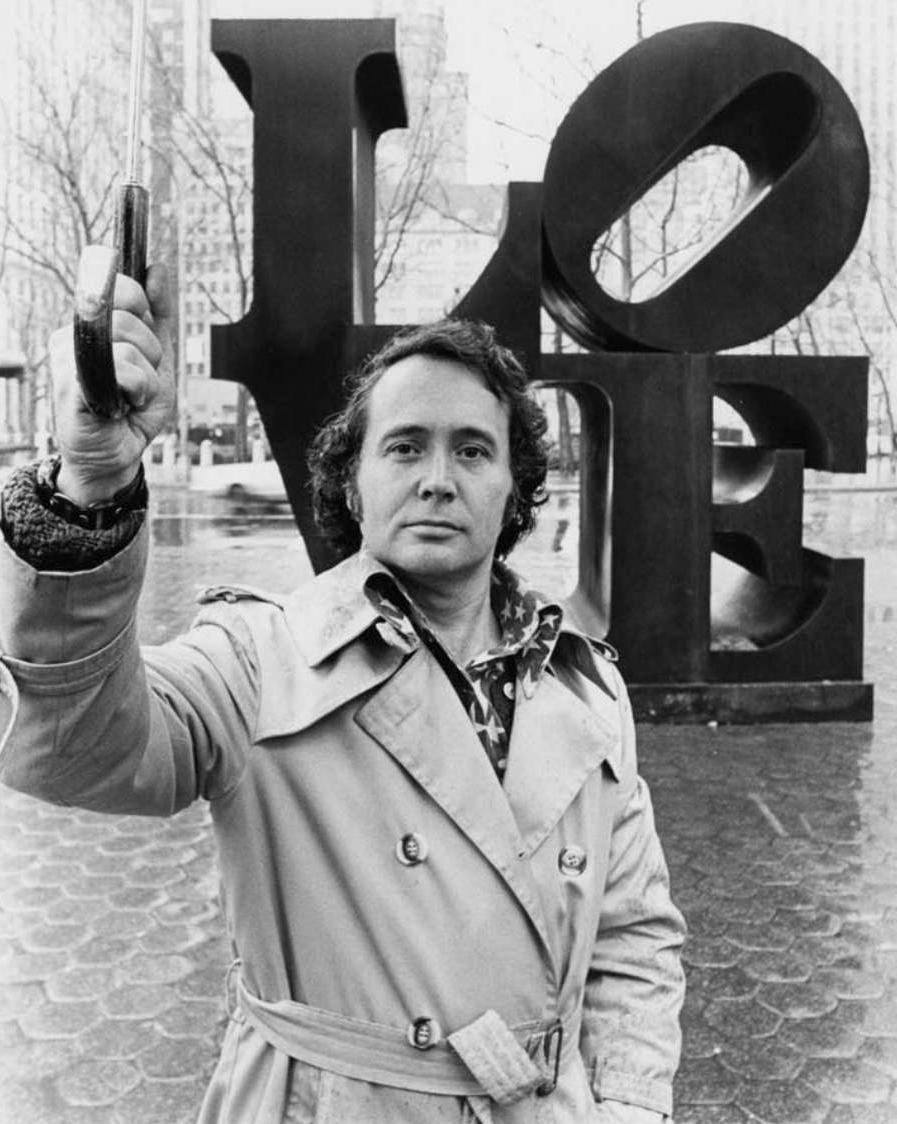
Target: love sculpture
x=657, y=497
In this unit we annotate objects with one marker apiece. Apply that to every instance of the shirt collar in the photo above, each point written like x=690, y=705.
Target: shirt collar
x=530, y=623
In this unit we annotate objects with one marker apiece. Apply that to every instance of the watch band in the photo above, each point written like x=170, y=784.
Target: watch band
x=96, y=516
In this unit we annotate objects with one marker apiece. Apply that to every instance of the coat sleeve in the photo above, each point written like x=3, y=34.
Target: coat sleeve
x=97, y=722
x=635, y=985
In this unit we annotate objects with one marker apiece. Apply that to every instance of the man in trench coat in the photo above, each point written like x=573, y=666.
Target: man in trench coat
x=439, y=868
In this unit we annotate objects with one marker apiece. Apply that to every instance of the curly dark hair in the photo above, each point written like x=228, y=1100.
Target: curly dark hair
x=333, y=456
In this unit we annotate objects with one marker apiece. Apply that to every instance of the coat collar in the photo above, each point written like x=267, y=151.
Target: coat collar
x=330, y=611
x=333, y=609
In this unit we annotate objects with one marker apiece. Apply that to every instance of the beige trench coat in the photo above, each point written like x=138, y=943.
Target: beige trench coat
x=322, y=748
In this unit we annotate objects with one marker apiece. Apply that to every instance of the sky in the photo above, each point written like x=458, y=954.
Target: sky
x=526, y=61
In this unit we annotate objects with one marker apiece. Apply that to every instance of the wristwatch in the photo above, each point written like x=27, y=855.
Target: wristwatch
x=96, y=516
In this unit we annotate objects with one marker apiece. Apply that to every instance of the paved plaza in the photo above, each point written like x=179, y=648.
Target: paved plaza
x=782, y=842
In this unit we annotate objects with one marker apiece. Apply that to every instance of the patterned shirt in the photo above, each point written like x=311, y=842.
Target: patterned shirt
x=488, y=684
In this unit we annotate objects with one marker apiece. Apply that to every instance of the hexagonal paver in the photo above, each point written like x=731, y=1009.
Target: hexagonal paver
x=162, y=1102
x=97, y=1082
x=94, y=885
x=851, y=983
x=710, y=1114
x=137, y=1002
x=823, y=950
x=185, y=912
x=169, y=854
x=766, y=937
x=19, y=844
x=122, y=845
x=880, y=1019
x=69, y=911
x=191, y=1018
x=737, y=912
x=797, y=1000
x=59, y=1020
x=16, y=998
x=762, y=1059
x=704, y=1081
x=175, y=1058
x=172, y=938
x=78, y=984
x=51, y=874
x=29, y=897
x=788, y=898
x=102, y=950
x=118, y=1039
x=782, y=1102
x=139, y=825
x=836, y=1035
x=163, y=875
x=705, y=952
x=146, y=898
x=719, y=983
x=26, y=1099
x=847, y=1081
x=776, y=967
x=698, y=1039
x=91, y=830
x=861, y=1114
x=141, y=969
x=28, y=966
x=813, y=923
x=880, y=1053
x=124, y=923
x=49, y=938
x=704, y=924
x=95, y=862
x=742, y=1018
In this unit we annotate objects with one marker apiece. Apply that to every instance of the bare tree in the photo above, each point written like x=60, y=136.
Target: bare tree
x=62, y=153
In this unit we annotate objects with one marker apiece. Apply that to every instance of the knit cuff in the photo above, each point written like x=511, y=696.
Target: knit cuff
x=46, y=541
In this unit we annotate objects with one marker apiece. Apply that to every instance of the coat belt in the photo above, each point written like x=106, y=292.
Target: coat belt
x=486, y=1057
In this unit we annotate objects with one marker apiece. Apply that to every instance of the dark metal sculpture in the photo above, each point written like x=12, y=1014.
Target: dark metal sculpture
x=657, y=499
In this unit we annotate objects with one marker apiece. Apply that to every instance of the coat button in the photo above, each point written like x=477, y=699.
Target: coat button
x=412, y=849
x=424, y=1033
x=572, y=861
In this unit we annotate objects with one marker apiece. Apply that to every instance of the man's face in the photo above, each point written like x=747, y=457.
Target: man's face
x=434, y=473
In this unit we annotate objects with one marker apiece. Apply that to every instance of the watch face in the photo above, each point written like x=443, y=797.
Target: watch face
x=48, y=471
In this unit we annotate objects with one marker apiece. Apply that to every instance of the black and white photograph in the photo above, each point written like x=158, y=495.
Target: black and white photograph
x=448, y=562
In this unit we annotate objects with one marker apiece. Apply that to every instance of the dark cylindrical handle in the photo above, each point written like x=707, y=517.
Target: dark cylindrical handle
x=94, y=290
x=131, y=223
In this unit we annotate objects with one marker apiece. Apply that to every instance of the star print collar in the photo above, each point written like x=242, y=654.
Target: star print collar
x=530, y=623
x=530, y=626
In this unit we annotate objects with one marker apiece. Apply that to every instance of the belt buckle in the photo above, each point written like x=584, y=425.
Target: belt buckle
x=550, y=1048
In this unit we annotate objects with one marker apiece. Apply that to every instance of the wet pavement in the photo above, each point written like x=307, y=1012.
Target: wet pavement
x=781, y=840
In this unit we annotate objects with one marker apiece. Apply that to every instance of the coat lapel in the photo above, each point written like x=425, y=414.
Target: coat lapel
x=557, y=741
x=417, y=717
